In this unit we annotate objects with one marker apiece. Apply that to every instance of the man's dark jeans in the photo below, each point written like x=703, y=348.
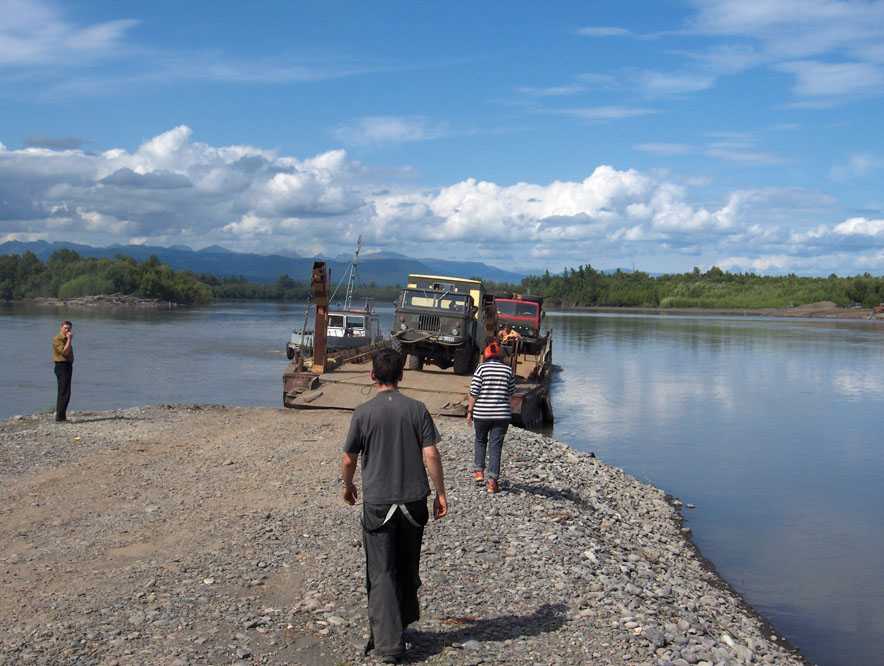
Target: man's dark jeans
x=489, y=437
x=392, y=571
x=64, y=371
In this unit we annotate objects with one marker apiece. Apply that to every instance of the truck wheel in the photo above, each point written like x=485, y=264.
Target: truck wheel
x=396, y=344
x=289, y=353
x=463, y=361
x=414, y=362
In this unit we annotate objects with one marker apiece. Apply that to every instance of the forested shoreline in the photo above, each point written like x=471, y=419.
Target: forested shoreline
x=67, y=275
x=588, y=287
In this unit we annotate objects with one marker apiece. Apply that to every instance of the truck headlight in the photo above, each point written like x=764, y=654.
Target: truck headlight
x=403, y=326
x=454, y=331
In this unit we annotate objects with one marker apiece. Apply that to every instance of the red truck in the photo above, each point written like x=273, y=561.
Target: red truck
x=524, y=314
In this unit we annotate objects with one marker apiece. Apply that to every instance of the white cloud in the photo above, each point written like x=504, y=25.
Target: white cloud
x=793, y=28
x=674, y=83
x=664, y=148
x=739, y=147
x=44, y=53
x=170, y=189
x=601, y=113
x=389, y=129
x=729, y=147
x=832, y=47
x=856, y=166
x=596, y=79
x=741, y=154
x=603, y=31
x=780, y=263
x=826, y=79
x=860, y=226
x=34, y=32
x=173, y=189
x=725, y=58
x=553, y=91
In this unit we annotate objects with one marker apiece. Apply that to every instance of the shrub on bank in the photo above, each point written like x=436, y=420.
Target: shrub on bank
x=68, y=275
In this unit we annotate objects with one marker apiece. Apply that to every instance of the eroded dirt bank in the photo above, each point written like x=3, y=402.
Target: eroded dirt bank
x=177, y=535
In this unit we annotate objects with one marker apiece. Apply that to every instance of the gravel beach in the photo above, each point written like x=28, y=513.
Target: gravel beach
x=216, y=535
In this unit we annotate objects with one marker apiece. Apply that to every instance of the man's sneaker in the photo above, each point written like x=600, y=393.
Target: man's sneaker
x=492, y=487
x=479, y=477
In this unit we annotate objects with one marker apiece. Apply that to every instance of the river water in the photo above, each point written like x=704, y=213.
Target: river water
x=772, y=428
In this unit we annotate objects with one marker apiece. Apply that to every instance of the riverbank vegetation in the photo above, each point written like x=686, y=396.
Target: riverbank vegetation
x=68, y=275
x=586, y=287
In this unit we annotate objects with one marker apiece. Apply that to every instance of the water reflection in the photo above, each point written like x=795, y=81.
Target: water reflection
x=772, y=428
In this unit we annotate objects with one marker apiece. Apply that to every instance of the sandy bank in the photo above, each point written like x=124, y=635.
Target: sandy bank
x=103, y=302
x=215, y=535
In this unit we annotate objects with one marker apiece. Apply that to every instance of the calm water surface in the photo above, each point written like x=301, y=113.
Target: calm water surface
x=771, y=427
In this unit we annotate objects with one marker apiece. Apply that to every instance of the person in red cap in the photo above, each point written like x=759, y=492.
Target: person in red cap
x=489, y=411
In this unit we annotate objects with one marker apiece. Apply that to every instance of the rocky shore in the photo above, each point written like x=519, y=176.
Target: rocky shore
x=191, y=535
x=104, y=302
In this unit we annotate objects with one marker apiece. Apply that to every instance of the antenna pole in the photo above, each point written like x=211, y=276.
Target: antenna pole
x=351, y=278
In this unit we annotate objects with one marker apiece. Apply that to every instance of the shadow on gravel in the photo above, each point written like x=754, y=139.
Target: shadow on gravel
x=550, y=493
x=545, y=619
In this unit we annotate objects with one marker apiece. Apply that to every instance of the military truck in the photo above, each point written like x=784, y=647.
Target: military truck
x=444, y=321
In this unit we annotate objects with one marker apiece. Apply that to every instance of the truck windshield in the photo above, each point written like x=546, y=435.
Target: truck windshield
x=517, y=308
x=437, y=300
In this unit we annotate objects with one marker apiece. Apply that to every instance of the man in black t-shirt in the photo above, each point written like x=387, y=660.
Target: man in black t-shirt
x=397, y=439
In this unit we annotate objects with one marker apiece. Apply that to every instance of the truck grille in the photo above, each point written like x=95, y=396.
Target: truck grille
x=428, y=322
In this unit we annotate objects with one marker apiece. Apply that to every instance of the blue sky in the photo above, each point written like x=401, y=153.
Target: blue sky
x=664, y=135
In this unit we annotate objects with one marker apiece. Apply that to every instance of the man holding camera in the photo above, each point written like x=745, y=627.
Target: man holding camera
x=63, y=356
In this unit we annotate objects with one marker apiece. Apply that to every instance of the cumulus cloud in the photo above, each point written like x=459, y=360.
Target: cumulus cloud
x=860, y=226
x=608, y=207
x=175, y=190
x=170, y=189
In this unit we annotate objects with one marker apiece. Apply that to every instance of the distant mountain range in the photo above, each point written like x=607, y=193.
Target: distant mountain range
x=383, y=268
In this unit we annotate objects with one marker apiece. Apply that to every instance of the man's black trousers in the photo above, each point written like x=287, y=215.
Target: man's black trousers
x=392, y=571
x=64, y=371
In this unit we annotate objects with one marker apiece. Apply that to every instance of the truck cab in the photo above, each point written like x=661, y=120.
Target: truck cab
x=523, y=314
x=442, y=320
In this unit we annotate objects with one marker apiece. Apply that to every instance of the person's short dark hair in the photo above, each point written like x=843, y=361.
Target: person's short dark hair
x=67, y=323
x=386, y=365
